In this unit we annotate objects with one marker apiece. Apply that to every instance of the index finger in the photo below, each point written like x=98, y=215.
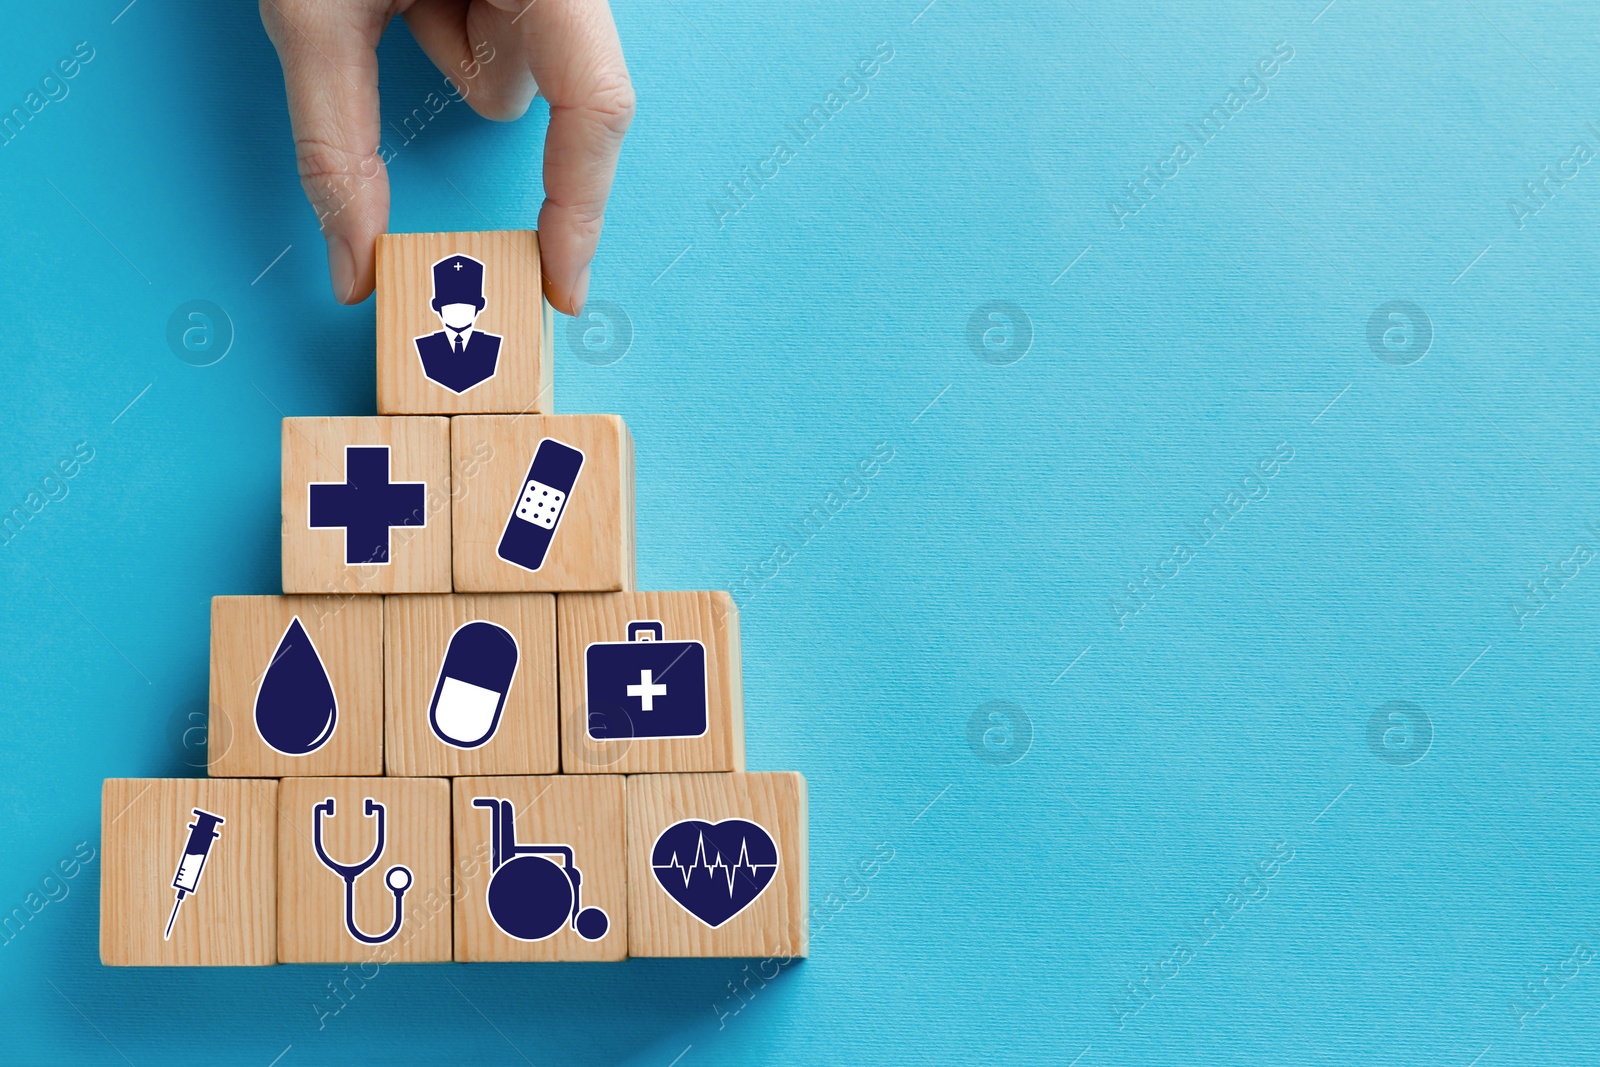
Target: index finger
x=330, y=73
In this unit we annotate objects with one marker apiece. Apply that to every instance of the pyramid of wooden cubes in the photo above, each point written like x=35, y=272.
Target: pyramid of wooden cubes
x=461, y=733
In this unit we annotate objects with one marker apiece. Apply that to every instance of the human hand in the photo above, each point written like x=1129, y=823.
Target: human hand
x=498, y=55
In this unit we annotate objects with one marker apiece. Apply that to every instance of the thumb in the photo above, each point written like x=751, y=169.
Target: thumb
x=575, y=57
x=330, y=73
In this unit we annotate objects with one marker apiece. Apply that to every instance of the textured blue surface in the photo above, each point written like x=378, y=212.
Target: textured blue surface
x=1209, y=747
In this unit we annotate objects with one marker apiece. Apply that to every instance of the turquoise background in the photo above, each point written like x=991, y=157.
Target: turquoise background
x=1053, y=856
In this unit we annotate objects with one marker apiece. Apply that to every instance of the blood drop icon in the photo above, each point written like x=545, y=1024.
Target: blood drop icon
x=296, y=710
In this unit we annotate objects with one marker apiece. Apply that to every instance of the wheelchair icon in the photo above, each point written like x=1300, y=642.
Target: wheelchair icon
x=531, y=896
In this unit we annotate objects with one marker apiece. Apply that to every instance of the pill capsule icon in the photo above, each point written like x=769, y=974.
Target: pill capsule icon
x=473, y=682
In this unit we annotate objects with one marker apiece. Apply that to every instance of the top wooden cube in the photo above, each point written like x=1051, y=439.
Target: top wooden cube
x=463, y=326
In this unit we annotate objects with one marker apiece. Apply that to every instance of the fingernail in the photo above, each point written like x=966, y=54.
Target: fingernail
x=580, y=292
x=341, y=268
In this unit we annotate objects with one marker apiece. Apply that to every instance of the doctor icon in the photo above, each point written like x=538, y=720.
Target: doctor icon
x=459, y=356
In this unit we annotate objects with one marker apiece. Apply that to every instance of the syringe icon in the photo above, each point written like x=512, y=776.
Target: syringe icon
x=202, y=832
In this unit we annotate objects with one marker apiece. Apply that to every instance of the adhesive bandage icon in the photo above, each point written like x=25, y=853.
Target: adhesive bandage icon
x=540, y=504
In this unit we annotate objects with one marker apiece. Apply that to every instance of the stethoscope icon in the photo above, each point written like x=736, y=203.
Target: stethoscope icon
x=398, y=879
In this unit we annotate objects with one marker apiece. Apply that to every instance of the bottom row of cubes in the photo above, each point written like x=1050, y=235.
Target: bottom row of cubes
x=250, y=871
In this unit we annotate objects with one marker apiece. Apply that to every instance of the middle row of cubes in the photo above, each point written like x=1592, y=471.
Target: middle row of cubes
x=474, y=504
x=446, y=685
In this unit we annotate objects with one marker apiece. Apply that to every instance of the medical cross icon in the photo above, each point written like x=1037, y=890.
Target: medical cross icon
x=367, y=504
x=647, y=690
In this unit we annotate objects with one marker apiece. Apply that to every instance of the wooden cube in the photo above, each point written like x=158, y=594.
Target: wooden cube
x=215, y=839
x=296, y=686
x=394, y=910
x=717, y=864
x=541, y=869
x=650, y=683
x=366, y=505
x=470, y=684
x=543, y=503
x=484, y=288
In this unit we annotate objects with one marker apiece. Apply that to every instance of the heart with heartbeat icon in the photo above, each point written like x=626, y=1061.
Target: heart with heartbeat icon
x=714, y=870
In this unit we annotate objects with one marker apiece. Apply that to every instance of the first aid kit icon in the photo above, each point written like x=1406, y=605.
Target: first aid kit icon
x=645, y=686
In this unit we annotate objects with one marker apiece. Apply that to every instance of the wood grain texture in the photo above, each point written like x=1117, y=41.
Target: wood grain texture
x=417, y=631
x=594, y=540
x=584, y=813
x=514, y=309
x=314, y=560
x=311, y=896
x=231, y=917
x=708, y=617
x=775, y=923
x=348, y=635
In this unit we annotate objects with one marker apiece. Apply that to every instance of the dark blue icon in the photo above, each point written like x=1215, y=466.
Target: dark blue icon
x=530, y=897
x=714, y=870
x=202, y=832
x=398, y=878
x=473, y=682
x=367, y=504
x=296, y=710
x=644, y=686
x=459, y=356
x=532, y=525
